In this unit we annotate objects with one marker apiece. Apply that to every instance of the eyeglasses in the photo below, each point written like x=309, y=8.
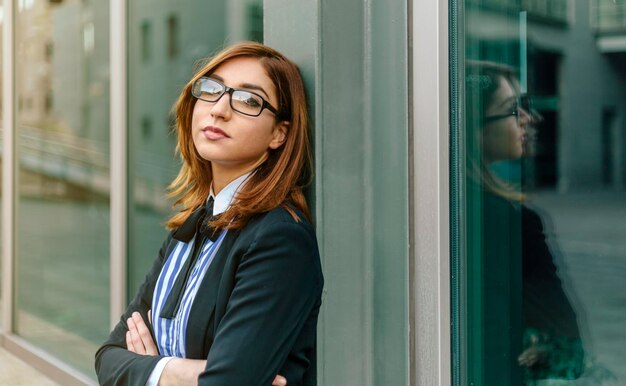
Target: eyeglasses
x=242, y=101
x=522, y=103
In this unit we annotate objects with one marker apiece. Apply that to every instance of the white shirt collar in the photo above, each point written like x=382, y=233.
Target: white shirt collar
x=225, y=196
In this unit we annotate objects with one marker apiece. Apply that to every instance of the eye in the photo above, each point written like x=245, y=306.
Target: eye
x=211, y=89
x=207, y=89
x=248, y=99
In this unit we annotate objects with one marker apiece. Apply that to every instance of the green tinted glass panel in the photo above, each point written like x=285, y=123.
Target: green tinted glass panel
x=539, y=171
x=62, y=97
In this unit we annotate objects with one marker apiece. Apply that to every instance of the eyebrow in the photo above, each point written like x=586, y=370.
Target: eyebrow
x=249, y=86
x=507, y=100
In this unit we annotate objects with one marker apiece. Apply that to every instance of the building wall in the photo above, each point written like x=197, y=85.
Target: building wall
x=587, y=83
x=350, y=56
x=363, y=64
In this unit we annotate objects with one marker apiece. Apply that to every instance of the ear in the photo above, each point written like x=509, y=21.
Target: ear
x=279, y=135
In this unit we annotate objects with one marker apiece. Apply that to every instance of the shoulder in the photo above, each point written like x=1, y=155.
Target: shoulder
x=281, y=217
x=279, y=227
x=531, y=213
x=532, y=220
x=279, y=243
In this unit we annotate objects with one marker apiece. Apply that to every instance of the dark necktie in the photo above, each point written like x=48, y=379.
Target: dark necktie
x=199, y=218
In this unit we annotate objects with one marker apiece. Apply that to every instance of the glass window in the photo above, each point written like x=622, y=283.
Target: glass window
x=187, y=39
x=254, y=22
x=146, y=41
x=62, y=262
x=540, y=163
x=173, y=45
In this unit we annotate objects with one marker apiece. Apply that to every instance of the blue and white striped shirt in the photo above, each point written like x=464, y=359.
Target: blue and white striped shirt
x=170, y=333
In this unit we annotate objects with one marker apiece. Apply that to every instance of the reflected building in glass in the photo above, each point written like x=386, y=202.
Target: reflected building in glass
x=62, y=139
x=573, y=78
x=541, y=233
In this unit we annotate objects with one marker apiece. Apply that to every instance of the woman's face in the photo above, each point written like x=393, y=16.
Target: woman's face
x=504, y=136
x=230, y=140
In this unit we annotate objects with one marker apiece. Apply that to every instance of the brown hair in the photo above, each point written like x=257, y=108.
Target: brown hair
x=280, y=179
x=482, y=80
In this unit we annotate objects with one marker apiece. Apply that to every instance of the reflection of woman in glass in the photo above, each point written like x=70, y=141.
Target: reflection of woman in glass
x=530, y=328
x=233, y=297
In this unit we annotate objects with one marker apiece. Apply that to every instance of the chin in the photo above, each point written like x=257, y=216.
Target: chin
x=204, y=154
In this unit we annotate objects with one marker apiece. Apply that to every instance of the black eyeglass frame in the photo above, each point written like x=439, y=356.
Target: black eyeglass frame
x=522, y=104
x=230, y=91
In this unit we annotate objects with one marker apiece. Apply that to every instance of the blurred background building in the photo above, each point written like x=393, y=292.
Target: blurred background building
x=88, y=151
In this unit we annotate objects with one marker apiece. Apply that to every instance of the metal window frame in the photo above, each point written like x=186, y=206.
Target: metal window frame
x=429, y=193
x=8, y=166
x=119, y=158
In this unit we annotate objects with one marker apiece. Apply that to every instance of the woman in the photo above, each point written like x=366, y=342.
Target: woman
x=234, y=295
x=530, y=328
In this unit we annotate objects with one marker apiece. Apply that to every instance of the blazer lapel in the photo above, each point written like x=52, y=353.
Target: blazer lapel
x=204, y=304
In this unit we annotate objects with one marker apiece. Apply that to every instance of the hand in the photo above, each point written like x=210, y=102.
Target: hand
x=535, y=354
x=139, y=341
x=138, y=338
x=182, y=372
x=279, y=381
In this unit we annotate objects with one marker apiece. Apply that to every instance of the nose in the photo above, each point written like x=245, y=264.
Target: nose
x=525, y=117
x=221, y=108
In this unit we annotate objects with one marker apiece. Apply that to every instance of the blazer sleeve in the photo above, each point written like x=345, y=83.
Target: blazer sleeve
x=115, y=365
x=546, y=305
x=300, y=367
x=277, y=287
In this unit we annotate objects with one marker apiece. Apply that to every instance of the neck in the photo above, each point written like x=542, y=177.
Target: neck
x=221, y=180
x=224, y=175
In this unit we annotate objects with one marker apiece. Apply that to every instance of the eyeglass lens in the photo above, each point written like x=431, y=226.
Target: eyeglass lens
x=244, y=102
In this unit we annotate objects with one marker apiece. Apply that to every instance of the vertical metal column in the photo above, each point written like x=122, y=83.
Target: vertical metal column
x=431, y=354
x=8, y=166
x=353, y=56
x=119, y=163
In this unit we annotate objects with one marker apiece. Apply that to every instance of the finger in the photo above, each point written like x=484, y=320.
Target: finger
x=144, y=334
x=135, y=338
x=129, y=343
x=279, y=381
x=527, y=358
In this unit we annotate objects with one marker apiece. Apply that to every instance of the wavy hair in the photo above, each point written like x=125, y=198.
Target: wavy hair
x=482, y=80
x=277, y=182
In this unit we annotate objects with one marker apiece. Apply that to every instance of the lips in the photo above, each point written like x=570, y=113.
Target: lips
x=213, y=133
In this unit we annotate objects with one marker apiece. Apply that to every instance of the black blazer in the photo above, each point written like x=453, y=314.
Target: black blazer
x=255, y=313
x=520, y=290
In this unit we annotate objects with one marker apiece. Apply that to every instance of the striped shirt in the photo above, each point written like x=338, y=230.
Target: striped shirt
x=170, y=333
